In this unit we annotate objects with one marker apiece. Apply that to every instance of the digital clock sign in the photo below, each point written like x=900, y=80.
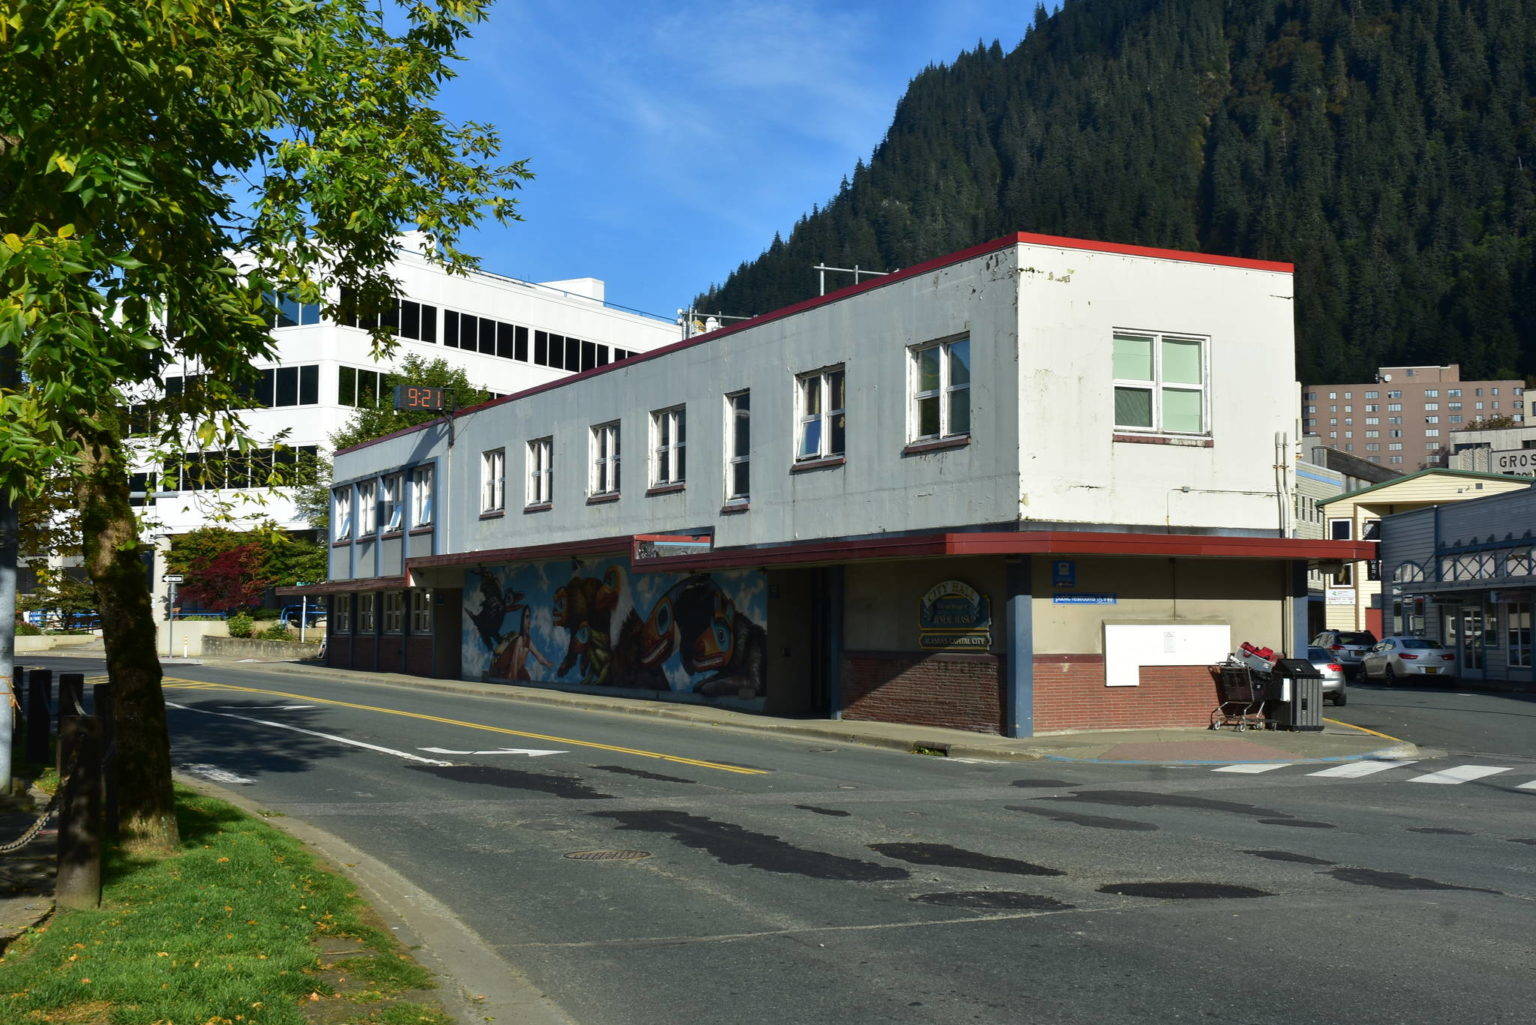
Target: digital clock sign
x=421, y=397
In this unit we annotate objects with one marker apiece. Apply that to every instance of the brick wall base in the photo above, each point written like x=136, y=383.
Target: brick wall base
x=955, y=691
x=1070, y=695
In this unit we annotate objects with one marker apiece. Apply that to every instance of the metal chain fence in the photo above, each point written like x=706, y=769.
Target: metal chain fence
x=30, y=833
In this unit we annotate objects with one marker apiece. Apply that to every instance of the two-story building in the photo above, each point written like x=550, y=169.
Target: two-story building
x=1039, y=484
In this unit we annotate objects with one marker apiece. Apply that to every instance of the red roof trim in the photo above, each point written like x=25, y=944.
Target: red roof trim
x=1029, y=542
x=527, y=553
x=345, y=586
x=937, y=263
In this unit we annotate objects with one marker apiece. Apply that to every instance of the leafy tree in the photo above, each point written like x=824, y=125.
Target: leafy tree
x=228, y=582
x=163, y=165
x=60, y=592
x=1490, y=423
x=280, y=557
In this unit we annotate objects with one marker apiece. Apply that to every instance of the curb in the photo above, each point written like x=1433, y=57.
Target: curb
x=480, y=985
x=820, y=731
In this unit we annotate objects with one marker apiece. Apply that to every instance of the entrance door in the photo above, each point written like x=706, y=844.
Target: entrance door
x=1471, y=655
x=447, y=612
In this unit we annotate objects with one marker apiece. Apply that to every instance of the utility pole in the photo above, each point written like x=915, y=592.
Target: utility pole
x=9, y=551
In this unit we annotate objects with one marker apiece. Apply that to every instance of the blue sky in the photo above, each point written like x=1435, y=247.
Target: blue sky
x=671, y=140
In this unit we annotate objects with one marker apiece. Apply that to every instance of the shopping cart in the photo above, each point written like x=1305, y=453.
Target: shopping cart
x=1241, y=696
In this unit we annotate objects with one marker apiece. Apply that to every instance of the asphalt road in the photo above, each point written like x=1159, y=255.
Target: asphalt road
x=793, y=880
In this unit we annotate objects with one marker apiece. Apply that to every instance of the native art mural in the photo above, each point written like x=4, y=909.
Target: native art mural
x=595, y=623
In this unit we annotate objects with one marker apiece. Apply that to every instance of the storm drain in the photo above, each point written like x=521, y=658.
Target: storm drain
x=608, y=855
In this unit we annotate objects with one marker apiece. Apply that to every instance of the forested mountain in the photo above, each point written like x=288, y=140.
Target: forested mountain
x=1386, y=147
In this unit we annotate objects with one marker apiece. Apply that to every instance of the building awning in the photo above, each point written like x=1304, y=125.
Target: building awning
x=660, y=553
x=1021, y=542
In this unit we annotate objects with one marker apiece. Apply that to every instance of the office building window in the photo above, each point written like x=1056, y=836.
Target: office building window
x=1431, y=407
x=541, y=471
x=366, y=603
x=341, y=614
x=359, y=387
x=1431, y=393
x=289, y=312
x=1373, y=394
x=604, y=476
x=939, y=382
x=738, y=446
x=1433, y=432
x=1160, y=383
x=421, y=611
x=394, y=612
x=341, y=513
x=422, y=479
x=669, y=453
x=493, y=480
x=821, y=421
x=1394, y=394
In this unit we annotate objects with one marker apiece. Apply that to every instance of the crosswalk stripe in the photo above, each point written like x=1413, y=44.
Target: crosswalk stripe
x=1459, y=774
x=1527, y=786
x=1354, y=770
x=1252, y=767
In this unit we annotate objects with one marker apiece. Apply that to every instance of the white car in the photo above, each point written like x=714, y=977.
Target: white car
x=1396, y=657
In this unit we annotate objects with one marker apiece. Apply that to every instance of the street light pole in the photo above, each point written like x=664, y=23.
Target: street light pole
x=9, y=551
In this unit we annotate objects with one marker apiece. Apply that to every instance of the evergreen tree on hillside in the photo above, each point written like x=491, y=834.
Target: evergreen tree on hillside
x=1386, y=147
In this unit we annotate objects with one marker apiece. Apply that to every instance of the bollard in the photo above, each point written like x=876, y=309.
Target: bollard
x=39, y=685
x=101, y=701
x=71, y=696
x=78, y=884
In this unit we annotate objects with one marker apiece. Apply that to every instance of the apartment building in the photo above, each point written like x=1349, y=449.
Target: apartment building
x=1403, y=419
x=1021, y=488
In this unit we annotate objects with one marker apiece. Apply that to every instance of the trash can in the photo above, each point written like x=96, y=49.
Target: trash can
x=1300, y=703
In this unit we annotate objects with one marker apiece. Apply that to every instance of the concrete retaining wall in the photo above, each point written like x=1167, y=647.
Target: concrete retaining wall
x=239, y=647
x=48, y=642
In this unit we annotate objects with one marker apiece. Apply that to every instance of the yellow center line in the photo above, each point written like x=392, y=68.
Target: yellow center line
x=1362, y=729
x=175, y=683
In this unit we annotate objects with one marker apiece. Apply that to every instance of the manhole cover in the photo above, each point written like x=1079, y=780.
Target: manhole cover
x=608, y=855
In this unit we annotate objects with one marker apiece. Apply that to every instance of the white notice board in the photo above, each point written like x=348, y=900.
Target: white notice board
x=1129, y=646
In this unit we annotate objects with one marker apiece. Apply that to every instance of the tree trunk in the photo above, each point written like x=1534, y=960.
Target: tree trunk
x=111, y=546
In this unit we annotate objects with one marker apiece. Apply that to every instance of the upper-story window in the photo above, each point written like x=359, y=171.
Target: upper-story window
x=422, y=496
x=738, y=446
x=289, y=312
x=541, y=471
x=1340, y=530
x=367, y=508
x=939, y=382
x=669, y=451
x=359, y=387
x=1394, y=394
x=1160, y=383
x=408, y=319
x=1373, y=395
x=604, y=476
x=493, y=480
x=1453, y=393
x=821, y=421
x=393, y=512
x=1431, y=393
x=341, y=513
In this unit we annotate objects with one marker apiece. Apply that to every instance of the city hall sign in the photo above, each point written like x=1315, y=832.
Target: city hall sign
x=952, y=615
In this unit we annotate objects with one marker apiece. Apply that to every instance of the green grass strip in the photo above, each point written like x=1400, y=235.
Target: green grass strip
x=222, y=932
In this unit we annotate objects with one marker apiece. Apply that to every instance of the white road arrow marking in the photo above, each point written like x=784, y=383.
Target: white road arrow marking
x=312, y=733
x=215, y=774
x=531, y=752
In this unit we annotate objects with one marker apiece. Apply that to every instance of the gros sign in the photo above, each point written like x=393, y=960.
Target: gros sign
x=1517, y=461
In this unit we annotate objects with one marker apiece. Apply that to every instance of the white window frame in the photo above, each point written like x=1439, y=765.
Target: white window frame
x=944, y=393
x=423, y=481
x=394, y=612
x=821, y=382
x=1157, y=386
x=367, y=603
x=341, y=513
x=493, y=480
x=421, y=611
x=341, y=615
x=393, y=513
x=734, y=417
x=603, y=468
x=541, y=471
x=367, y=508
x=669, y=446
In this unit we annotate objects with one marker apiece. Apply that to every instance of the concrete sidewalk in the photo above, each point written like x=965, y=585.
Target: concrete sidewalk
x=1186, y=746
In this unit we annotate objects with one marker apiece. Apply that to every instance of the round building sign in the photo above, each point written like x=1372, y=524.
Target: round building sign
x=954, y=615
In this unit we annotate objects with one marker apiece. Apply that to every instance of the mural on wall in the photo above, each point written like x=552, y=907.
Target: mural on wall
x=595, y=623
